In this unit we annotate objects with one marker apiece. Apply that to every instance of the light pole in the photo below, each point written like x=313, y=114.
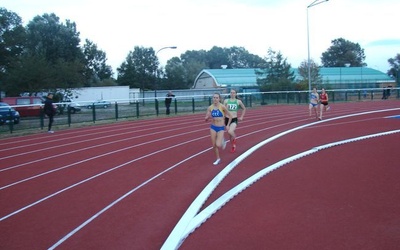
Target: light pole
x=155, y=92
x=155, y=85
x=316, y=2
x=169, y=47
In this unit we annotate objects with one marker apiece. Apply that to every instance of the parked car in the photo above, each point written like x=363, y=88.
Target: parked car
x=27, y=105
x=74, y=107
x=5, y=114
x=100, y=104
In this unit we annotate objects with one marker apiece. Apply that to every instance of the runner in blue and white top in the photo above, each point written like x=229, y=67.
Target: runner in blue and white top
x=217, y=112
x=314, y=100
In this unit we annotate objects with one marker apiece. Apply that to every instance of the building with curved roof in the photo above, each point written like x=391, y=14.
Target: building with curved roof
x=338, y=77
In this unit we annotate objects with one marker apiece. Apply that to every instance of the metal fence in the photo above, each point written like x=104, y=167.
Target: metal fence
x=182, y=103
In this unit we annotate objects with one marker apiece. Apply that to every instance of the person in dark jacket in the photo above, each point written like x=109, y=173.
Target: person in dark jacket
x=168, y=100
x=49, y=110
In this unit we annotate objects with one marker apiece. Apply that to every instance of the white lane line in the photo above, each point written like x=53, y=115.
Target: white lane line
x=120, y=199
x=54, y=194
x=92, y=158
x=88, y=140
x=136, y=127
x=175, y=238
x=93, y=177
x=70, y=234
x=136, y=187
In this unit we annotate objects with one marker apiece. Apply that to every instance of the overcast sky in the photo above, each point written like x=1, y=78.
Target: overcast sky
x=118, y=26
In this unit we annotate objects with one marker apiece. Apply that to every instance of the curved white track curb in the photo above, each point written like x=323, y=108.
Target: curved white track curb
x=189, y=221
x=213, y=207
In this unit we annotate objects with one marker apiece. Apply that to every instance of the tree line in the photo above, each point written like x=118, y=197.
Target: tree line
x=46, y=55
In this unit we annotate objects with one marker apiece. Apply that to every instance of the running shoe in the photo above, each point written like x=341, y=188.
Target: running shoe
x=233, y=149
x=217, y=162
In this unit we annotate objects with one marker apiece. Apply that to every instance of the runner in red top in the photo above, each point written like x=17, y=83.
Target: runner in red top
x=324, y=106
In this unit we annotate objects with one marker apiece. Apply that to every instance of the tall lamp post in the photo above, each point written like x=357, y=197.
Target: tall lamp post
x=169, y=47
x=155, y=85
x=316, y=2
x=155, y=92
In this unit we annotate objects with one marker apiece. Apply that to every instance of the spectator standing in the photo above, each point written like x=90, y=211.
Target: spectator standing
x=388, y=90
x=168, y=101
x=49, y=110
x=384, y=96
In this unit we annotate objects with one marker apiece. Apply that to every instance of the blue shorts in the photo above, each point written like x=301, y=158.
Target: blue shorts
x=217, y=128
x=313, y=104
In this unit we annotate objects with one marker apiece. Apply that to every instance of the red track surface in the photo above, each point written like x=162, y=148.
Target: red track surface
x=126, y=185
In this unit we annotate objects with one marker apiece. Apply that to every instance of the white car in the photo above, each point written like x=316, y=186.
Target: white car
x=99, y=104
x=74, y=107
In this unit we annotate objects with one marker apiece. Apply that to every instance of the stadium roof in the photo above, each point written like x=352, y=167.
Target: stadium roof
x=353, y=74
x=216, y=78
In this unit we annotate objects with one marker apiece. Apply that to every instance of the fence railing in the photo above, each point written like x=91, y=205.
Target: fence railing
x=147, y=107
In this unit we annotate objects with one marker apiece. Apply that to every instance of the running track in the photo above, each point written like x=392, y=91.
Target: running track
x=294, y=183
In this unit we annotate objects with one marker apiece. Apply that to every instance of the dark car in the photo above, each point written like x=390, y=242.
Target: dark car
x=7, y=114
x=99, y=104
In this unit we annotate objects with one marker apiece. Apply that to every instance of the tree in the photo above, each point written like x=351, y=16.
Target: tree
x=276, y=74
x=175, y=75
x=181, y=72
x=199, y=56
x=54, y=40
x=95, y=64
x=55, y=49
x=67, y=75
x=343, y=52
x=12, y=37
x=61, y=62
x=193, y=62
x=12, y=40
x=216, y=57
x=315, y=77
x=239, y=57
x=233, y=57
x=30, y=73
x=394, y=71
x=139, y=69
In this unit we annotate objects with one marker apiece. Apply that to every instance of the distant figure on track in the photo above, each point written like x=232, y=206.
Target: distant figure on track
x=217, y=112
x=233, y=105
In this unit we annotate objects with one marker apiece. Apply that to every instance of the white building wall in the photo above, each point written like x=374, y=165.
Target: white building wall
x=108, y=93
